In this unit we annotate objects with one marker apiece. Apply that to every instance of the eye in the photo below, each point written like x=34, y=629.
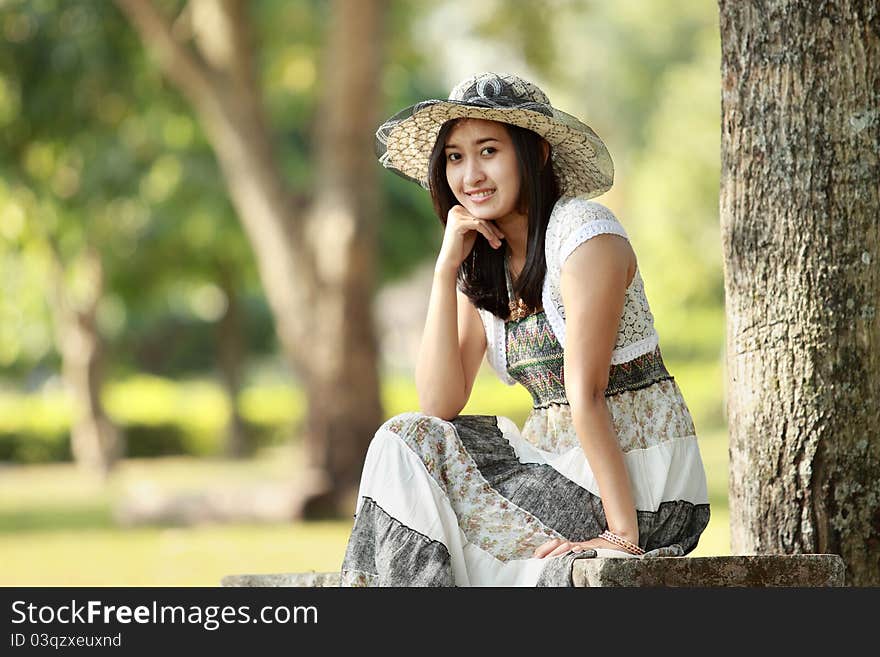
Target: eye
x=451, y=157
x=489, y=148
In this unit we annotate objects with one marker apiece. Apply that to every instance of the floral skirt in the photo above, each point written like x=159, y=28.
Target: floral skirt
x=466, y=502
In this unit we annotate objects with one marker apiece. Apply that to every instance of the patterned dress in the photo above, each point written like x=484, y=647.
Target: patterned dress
x=466, y=502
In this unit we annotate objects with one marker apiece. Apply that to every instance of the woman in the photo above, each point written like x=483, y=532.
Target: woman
x=543, y=282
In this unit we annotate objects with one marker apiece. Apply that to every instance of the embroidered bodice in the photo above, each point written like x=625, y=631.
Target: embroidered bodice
x=572, y=222
x=535, y=359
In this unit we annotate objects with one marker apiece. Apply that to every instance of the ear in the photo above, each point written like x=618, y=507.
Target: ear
x=545, y=152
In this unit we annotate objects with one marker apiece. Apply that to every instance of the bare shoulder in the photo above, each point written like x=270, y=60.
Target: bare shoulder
x=604, y=255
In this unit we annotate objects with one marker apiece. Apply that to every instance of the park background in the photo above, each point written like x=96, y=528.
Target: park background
x=104, y=162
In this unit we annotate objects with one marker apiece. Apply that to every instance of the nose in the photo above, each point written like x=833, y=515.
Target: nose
x=473, y=174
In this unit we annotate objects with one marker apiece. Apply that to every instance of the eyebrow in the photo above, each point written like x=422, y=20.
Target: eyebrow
x=478, y=141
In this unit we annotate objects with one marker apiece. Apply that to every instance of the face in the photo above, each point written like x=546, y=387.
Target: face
x=482, y=169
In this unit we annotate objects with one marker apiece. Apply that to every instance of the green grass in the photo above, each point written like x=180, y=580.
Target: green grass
x=169, y=556
x=57, y=526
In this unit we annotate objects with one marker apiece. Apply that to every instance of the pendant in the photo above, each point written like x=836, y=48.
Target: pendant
x=518, y=310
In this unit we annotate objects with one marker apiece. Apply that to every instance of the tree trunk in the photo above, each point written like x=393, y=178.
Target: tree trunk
x=95, y=442
x=230, y=359
x=799, y=206
x=344, y=407
x=316, y=268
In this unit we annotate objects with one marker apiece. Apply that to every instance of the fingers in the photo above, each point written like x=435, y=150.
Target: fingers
x=492, y=235
x=562, y=549
x=557, y=546
x=495, y=230
x=543, y=550
x=551, y=548
x=466, y=222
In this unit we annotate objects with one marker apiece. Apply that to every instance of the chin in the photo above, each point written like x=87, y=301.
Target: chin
x=488, y=212
x=481, y=212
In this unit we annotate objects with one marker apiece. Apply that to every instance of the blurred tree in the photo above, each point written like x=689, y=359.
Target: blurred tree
x=799, y=206
x=56, y=192
x=95, y=441
x=192, y=267
x=98, y=221
x=316, y=262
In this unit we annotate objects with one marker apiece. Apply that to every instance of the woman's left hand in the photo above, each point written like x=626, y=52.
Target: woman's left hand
x=559, y=546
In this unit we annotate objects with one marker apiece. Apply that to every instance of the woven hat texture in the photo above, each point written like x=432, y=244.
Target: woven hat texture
x=580, y=158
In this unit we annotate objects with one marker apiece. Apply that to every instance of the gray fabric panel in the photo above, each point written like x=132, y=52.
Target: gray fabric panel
x=674, y=523
x=557, y=572
x=539, y=489
x=388, y=553
x=562, y=504
x=668, y=551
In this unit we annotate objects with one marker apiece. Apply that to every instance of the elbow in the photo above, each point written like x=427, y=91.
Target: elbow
x=440, y=400
x=446, y=417
x=587, y=393
x=438, y=412
x=440, y=408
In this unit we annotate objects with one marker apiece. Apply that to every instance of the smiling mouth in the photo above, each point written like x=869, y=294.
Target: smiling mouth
x=478, y=196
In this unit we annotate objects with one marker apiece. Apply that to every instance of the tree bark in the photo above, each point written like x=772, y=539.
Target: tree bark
x=799, y=206
x=316, y=267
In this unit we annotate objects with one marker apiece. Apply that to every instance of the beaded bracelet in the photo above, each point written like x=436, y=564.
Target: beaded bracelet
x=632, y=548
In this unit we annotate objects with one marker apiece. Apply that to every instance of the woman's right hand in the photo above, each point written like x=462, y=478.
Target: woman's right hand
x=461, y=233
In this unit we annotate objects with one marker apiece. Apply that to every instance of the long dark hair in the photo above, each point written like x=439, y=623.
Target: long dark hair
x=481, y=274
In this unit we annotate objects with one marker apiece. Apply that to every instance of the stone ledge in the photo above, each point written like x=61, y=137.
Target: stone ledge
x=283, y=579
x=735, y=571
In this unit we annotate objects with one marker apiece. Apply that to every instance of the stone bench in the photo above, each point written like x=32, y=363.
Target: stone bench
x=752, y=571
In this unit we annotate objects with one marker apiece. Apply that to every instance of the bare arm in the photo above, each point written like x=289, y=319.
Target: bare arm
x=594, y=282
x=439, y=371
x=452, y=347
x=453, y=341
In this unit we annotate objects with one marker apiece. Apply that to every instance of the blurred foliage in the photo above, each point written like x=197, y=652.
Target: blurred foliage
x=125, y=168
x=161, y=417
x=104, y=156
x=97, y=150
x=674, y=204
x=157, y=416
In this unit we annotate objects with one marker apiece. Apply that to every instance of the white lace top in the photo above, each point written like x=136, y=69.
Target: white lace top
x=572, y=222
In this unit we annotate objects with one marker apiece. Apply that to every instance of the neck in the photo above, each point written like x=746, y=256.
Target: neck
x=516, y=234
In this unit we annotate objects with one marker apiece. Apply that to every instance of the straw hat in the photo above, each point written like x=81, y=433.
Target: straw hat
x=580, y=158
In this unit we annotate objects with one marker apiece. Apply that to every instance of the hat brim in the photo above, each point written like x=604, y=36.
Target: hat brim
x=580, y=159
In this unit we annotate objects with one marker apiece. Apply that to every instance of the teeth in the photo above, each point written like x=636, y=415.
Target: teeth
x=483, y=194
